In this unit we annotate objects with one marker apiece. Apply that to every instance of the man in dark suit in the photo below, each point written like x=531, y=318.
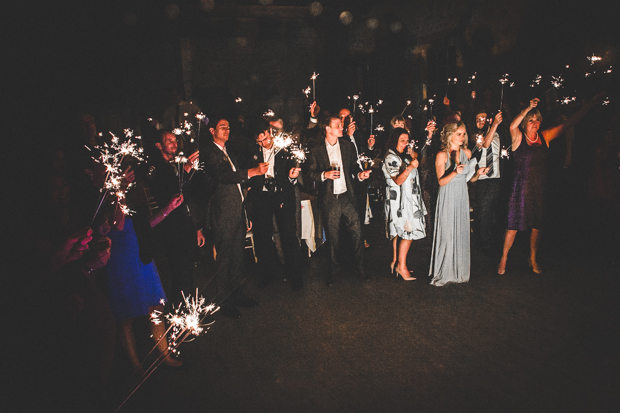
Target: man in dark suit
x=333, y=164
x=269, y=195
x=363, y=147
x=227, y=219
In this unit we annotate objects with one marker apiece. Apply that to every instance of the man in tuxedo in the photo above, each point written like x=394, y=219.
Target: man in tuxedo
x=333, y=163
x=227, y=218
x=269, y=195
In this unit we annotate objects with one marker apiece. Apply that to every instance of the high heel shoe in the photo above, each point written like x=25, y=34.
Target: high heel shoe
x=501, y=269
x=403, y=277
x=534, y=266
x=392, y=265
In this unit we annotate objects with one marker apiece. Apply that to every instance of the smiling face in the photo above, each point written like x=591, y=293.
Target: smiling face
x=401, y=145
x=221, y=132
x=532, y=125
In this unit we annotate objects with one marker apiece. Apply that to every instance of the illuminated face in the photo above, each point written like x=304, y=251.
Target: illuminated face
x=533, y=124
x=265, y=140
x=481, y=120
x=458, y=137
x=168, y=145
x=399, y=124
x=334, y=129
x=221, y=131
x=403, y=140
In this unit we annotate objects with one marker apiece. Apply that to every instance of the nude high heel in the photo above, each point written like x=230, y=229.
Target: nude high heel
x=392, y=265
x=403, y=277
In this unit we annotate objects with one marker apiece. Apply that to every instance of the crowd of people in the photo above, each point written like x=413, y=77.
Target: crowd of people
x=101, y=268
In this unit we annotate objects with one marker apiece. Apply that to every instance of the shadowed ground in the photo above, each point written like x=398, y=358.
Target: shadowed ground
x=518, y=342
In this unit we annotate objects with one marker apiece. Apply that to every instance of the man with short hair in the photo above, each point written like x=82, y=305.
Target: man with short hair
x=227, y=218
x=333, y=164
x=176, y=233
x=273, y=195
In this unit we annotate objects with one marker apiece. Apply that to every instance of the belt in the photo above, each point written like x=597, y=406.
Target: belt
x=342, y=195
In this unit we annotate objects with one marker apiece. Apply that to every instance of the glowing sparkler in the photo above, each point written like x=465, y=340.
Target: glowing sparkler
x=606, y=101
x=307, y=91
x=238, y=100
x=371, y=111
x=450, y=81
x=536, y=81
x=313, y=77
x=608, y=70
x=504, y=154
x=431, y=102
x=472, y=79
x=405, y=108
x=379, y=128
x=556, y=83
x=355, y=98
x=185, y=321
x=503, y=80
x=269, y=114
x=593, y=59
x=566, y=100
x=298, y=154
x=111, y=156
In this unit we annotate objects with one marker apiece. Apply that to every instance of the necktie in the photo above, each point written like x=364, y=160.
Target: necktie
x=490, y=161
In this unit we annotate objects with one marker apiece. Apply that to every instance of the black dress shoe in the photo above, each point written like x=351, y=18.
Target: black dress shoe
x=229, y=311
x=245, y=302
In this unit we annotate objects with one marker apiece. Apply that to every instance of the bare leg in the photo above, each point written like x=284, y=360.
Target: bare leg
x=403, y=249
x=534, y=242
x=158, y=330
x=509, y=238
x=128, y=341
x=394, y=249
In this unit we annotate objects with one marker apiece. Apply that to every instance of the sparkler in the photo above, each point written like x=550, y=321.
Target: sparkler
x=536, y=81
x=593, y=59
x=185, y=321
x=314, y=75
x=556, y=83
x=280, y=141
x=566, y=100
x=472, y=79
x=431, y=102
x=298, y=154
x=371, y=111
x=307, y=91
x=503, y=80
x=608, y=70
x=405, y=108
x=355, y=98
x=505, y=153
x=111, y=156
x=238, y=100
x=201, y=117
x=450, y=81
x=379, y=128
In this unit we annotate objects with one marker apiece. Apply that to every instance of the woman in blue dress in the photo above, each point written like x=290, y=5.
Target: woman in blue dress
x=404, y=208
x=134, y=287
x=450, y=260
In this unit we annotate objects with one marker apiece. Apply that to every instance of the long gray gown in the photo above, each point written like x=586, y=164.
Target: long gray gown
x=450, y=259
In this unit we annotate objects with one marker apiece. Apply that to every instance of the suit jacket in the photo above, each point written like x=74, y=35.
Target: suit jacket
x=225, y=207
x=318, y=162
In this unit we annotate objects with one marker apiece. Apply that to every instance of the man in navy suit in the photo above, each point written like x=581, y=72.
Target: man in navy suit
x=227, y=218
x=333, y=164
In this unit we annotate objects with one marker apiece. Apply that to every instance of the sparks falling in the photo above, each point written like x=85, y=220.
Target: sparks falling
x=594, y=59
x=536, y=81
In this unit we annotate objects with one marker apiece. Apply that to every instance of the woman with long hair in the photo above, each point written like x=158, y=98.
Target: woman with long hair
x=450, y=260
x=404, y=209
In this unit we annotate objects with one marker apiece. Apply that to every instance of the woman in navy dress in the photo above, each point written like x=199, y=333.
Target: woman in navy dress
x=529, y=148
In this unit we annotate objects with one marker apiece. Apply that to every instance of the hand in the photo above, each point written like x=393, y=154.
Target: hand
x=100, y=254
x=261, y=169
x=128, y=175
x=294, y=173
x=72, y=248
x=414, y=164
x=190, y=161
x=314, y=109
x=534, y=103
x=104, y=226
x=498, y=118
x=371, y=142
x=351, y=128
x=459, y=168
x=173, y=204
x=431, y=127
x=332, y=174
x=201, y=238
x=482, y=171
x=446, y=101
x=363, y=175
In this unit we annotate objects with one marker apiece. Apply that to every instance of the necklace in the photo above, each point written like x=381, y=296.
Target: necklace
x=530, y=140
